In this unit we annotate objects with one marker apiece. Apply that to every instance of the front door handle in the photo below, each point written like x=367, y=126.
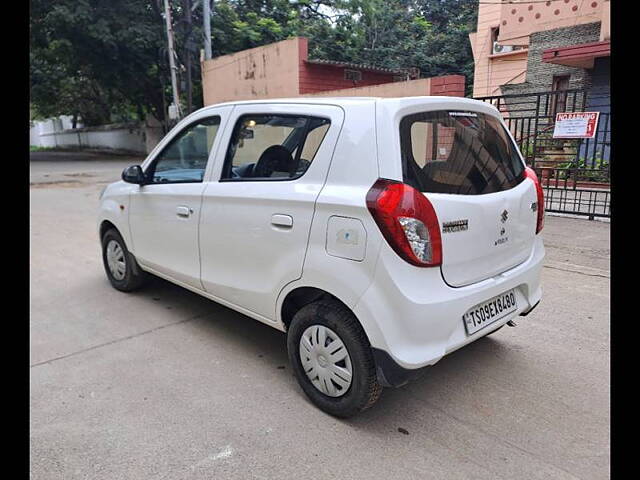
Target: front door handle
x=280, y=220
x=182, y=211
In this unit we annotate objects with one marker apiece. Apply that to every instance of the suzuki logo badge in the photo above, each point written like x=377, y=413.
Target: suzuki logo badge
x=504, y=216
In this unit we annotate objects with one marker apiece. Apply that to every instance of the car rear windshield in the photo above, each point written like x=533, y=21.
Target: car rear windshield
x=464, y=153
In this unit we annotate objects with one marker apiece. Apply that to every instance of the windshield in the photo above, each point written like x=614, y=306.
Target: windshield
x=464, y=153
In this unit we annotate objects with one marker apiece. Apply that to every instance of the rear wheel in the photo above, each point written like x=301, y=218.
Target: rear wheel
x=121, y=267
x=331, y=358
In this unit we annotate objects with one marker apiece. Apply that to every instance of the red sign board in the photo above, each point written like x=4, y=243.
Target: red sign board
x=576, y=125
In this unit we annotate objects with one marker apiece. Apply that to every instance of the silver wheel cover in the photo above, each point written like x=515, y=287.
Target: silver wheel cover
x=325, y=360
x=116, y=260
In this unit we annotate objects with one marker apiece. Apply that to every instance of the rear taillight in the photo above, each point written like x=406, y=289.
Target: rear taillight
x=407, y=221
x=530, y=173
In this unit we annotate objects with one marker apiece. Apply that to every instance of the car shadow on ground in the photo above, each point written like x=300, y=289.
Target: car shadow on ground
x=447, y=381
x=213, y=318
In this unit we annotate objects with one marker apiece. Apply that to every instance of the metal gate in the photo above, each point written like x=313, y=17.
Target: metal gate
x=573, y=172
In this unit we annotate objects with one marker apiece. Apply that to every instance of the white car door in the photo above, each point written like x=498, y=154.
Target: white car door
x=164, y=213
x=257, y=209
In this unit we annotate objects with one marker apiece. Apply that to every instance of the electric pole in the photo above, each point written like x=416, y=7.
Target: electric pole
x=172, y=61
x=206, y=18
x=188, y=48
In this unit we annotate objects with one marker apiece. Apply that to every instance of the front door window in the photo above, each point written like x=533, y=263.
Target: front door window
x=184, y=160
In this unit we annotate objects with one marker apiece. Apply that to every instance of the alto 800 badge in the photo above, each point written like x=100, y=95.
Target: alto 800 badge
x=455, y=226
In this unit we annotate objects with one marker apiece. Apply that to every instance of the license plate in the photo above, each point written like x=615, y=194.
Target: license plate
x=490, y=311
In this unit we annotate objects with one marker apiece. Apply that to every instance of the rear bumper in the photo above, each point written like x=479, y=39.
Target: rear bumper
x=413, y=318
x=390, y=374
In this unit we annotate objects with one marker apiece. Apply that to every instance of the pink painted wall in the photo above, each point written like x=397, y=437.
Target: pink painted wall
x=491, y=70
x=270, y=71
x=517, y=21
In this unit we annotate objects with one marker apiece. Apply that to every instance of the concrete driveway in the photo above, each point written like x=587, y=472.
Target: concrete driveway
x=164, y=384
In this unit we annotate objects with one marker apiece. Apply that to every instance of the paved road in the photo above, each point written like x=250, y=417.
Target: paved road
x=164, y=384
x=50, y=168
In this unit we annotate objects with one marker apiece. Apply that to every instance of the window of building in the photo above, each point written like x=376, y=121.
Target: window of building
x=495, y=32
x=353, y=75
x=496, y=48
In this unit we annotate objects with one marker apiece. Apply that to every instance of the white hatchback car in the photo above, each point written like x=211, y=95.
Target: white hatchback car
x=380, y=234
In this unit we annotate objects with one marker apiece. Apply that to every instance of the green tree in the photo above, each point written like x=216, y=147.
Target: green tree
x=97, y=58
x=107, y=59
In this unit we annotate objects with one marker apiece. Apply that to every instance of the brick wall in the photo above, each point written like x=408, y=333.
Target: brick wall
x=314, y=78
x=321, y=78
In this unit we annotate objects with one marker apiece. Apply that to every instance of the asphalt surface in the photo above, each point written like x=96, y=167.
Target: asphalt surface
x=164, y=384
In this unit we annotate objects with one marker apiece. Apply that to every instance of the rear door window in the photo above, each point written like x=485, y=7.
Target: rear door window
x=273, y=147
x=456, y=152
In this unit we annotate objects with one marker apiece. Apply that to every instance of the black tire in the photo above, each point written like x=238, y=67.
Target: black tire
x=364, y=390
x=134, y=276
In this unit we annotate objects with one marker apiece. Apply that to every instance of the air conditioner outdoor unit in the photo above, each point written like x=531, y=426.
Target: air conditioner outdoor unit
x=502, y=48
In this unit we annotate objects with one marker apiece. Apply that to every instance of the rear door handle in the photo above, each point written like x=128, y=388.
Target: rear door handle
x=182, y=211
x=280, y=220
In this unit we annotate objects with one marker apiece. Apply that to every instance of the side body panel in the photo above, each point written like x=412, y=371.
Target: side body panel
x=353, y=171
x=248, y=251
x=164, y=218
x=164, y=239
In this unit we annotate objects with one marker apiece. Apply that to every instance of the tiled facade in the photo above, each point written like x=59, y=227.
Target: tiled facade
x=540, y=74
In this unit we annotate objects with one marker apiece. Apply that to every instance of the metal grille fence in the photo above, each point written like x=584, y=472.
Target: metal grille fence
x=575, y=173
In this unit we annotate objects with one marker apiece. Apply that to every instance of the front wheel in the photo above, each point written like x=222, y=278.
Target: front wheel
x=120, y=266
x=331, y=358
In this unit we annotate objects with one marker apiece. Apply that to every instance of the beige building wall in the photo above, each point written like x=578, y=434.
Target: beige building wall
x=396, y=89
x=270, y=71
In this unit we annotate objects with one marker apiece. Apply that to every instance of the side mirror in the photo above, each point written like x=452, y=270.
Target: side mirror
x=134, y=174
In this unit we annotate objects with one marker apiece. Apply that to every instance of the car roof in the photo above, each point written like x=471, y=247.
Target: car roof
x=346, y=101
x=301, y=100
